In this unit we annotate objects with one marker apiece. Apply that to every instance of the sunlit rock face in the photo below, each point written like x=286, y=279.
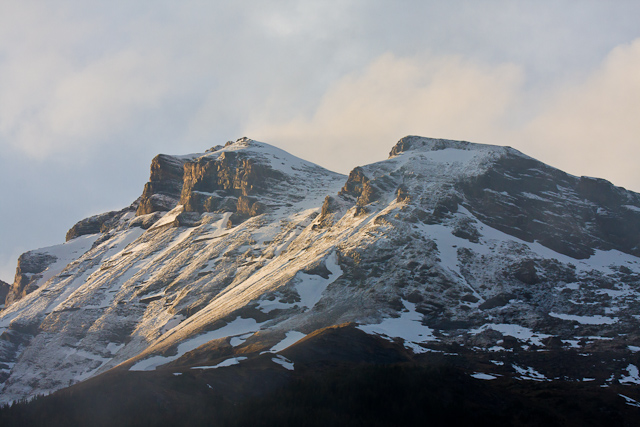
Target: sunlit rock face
x=163, y=190
x=30, y=267
x=246, y=249
x=230, y=182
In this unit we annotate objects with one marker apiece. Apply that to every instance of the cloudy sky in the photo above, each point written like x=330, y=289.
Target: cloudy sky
x=90, y=92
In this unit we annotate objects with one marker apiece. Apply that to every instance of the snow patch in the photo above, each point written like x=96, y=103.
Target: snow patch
x=267, y=306
x=172, y=323
x=310, y=287
x=236, y=341
x=520, y=332
x=408, y=327
x=113, y=348
x=481, y=376
x=239, y=326
x=291, y=338
x=283, y=361
x=529, y=373
x=633, y=377
x=168, y=218
x=586, y=320
x=629, y=401
x=227, y=362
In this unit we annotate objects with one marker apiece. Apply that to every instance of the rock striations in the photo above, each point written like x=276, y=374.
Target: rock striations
x=246, y=249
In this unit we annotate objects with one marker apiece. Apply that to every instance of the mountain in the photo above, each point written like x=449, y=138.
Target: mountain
x=248, y=257
x=4, y=291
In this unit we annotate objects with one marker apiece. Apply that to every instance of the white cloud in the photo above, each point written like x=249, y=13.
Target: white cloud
x=588, y=125
x=85, y=103
x=592, y=125
x=362, y=114
x=55, y=88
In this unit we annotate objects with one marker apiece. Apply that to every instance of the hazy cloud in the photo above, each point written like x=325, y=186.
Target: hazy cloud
x=591, y=125
x=587, y=125
x=363, y=114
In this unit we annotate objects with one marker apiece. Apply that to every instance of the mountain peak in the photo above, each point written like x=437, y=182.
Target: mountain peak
x=413, y=142
x=237, y=253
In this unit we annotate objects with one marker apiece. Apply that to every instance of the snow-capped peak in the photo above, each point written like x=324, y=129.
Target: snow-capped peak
x=245, y=247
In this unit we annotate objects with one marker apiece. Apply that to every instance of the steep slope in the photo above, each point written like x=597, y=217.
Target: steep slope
x=105, y=297
x=250, y=249
x=5, y=288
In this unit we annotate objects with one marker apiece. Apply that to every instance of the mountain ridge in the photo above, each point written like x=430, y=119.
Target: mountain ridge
x=444, y=243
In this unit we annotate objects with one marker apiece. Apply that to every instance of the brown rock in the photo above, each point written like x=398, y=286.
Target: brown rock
x=5, y=288
x=226, y=184
x=91, y=225
x=30, y=266
x=358, y=185
x=163, y=190
x=402, y=195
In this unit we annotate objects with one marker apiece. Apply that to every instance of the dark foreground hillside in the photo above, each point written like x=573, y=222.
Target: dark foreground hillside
x=349, y=396
x=342, y=377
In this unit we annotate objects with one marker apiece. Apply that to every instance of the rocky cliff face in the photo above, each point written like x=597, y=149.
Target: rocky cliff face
x=97, y=223
x=163, y=190
x=5, y=288
x=225, y=183
x=30, y=267
x=445, y=245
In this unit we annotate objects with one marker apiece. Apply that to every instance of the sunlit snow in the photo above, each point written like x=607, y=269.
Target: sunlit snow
x=311, y=286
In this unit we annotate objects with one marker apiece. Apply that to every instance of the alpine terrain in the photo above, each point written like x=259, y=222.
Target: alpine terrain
x=244, y=269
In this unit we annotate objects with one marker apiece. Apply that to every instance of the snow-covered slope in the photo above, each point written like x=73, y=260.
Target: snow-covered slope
x=445, y=242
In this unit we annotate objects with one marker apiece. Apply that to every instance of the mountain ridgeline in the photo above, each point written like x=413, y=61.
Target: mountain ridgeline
x=245, y=258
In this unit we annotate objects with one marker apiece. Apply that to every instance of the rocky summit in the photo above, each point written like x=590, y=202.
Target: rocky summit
x=245, y=257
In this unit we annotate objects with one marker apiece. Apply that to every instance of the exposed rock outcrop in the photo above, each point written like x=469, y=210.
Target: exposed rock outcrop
x=359, y=186
x=30, y=266
x=91, y=225
x=417, y=142
x=226, y=183
x=5, y=288
x=163, y=190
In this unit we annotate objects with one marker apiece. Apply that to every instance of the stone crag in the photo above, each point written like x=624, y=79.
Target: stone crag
x=225, y=184
x=30, y=266
x=163, y=190
x=5, y=288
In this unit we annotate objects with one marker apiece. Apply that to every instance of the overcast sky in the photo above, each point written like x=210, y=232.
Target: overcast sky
x=90, y=92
